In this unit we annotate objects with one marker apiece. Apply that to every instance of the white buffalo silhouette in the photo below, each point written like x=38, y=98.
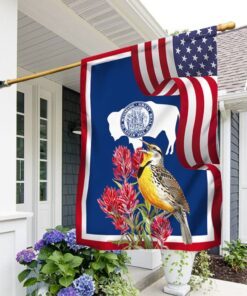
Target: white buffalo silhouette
x=165, y=119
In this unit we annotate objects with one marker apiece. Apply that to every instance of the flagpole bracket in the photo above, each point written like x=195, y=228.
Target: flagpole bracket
x=3, y=83
x=222, y=109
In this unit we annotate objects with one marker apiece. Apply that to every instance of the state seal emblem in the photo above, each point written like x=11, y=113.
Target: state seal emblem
x=137, y=119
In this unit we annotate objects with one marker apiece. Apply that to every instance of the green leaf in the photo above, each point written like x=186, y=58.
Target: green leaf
x=33, y=264
x=30, y=282
x=23, y=275
x=117, y=183
x=110, y=268
x=49, y=268
x=111, y=256
x=56, y=256
x=148, y=205
x=65, y=281
x=54, y=288
x=98, y=265
x=74, y=261
x=67, y=257
x=66, y=269
x=44, y=253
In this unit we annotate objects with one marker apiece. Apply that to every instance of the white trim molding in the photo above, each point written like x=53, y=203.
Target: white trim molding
x=225, y=160
x=242, y=177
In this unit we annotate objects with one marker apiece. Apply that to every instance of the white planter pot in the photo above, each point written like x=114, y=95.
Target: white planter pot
x=178, y=267
x=149, y=259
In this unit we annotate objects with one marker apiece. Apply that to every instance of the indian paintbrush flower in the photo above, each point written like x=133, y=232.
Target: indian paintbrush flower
x=122, y=161
x=161, y=229
x=136, y=161
x=128, y=198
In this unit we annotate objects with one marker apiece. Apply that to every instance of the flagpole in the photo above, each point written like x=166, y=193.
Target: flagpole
x=8, y=82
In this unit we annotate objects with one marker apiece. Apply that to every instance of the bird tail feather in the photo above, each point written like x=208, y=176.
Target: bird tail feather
x=185, y=229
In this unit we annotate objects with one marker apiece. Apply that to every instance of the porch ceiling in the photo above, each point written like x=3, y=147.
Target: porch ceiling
x=43, y=45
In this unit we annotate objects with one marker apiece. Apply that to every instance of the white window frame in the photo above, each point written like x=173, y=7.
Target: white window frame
x=34, y=89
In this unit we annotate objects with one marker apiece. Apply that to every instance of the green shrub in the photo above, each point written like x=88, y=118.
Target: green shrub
x=201, y=271
x=236, y=255
x=118, y=286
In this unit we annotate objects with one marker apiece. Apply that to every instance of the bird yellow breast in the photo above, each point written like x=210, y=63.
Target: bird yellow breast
x=149, y=191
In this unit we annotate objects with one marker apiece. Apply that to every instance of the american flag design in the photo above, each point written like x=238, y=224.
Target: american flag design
x=185, y=64
x=180, y=70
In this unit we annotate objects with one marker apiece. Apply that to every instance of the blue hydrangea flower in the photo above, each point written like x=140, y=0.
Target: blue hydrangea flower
x=84, y=285
x=39, y=245
x=70, y=239
x=53, y=236
x=25, y=256
x=70, y=291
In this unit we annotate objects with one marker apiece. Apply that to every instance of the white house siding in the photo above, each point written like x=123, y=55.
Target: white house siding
x=234, y=211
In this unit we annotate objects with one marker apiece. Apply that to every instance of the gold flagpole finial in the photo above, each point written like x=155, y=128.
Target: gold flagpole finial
x=226, y=26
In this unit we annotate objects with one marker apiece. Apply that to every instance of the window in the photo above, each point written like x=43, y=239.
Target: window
x=43, y=125
x=20, y=133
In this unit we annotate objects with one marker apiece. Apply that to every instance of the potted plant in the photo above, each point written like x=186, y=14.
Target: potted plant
x=58, y=266
x=178, y=268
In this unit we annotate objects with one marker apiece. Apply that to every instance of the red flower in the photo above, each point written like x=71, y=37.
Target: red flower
x=122, y=160
x=110, y=203
x=136, y=161
x=120, y=224
x=161, y=229
x=128, y=198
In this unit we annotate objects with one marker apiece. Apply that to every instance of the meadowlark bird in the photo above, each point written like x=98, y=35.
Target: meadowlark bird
x=161, y=189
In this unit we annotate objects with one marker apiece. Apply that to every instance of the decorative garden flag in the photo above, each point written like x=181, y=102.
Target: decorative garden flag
x=149, y=175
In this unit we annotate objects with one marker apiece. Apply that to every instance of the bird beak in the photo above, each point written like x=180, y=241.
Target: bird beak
x=145, y=143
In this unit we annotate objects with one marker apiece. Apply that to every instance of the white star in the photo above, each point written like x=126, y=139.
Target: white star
x=184, y=58
x=188, y=49
x=187, y=73
x=199, y=73
x=205, y=57
x=195, y=58
x=178, y=50
x=180, y=67
x=214, y=38
x=198, y=32
x=193, y=41
x=210, y=30
x=204, y=39
x=187, y=33
x=213, y=65
x=210, y=48
x=210, y=73
x=199, y=49
x=191, y=66
x=202, y=65
x=182, y=42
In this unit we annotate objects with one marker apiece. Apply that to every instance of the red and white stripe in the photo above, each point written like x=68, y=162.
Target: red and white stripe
x=197, y=132
x=156, y=75
x=153, y=62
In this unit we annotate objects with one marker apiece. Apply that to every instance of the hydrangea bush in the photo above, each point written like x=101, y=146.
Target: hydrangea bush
x=68, y=269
